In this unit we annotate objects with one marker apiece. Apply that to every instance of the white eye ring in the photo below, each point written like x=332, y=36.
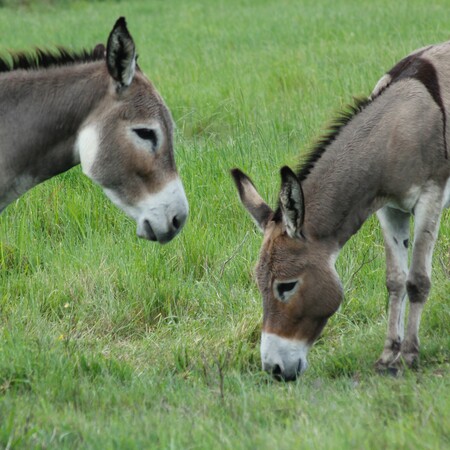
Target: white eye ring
x=283, y=290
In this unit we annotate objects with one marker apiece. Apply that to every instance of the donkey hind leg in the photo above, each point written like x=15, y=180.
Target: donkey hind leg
x=395, y=226
x=427, y=217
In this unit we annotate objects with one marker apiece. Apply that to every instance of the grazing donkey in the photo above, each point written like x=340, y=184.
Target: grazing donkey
x=389, y=154
x=97, y=109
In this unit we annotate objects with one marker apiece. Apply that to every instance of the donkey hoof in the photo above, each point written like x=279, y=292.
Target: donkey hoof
x=387, y=359
x=411, y=360
x=383, y=368
x=380, y=367
x=394, y=371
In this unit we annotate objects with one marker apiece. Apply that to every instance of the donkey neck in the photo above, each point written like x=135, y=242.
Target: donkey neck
x=40, y=114
x=344, y=186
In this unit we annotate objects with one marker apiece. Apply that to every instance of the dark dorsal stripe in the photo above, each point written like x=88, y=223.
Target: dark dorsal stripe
x=422, y=70
x=42, y=59
x=405, y=64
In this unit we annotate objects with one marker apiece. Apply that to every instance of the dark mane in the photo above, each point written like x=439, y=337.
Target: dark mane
x=332, y=131
x=42, y=59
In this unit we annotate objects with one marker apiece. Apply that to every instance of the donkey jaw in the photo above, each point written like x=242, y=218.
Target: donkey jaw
x=284, y=358
x=159, y=216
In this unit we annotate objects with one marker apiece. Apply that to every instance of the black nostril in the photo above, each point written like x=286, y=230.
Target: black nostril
x=276, y=370
x=176, y=223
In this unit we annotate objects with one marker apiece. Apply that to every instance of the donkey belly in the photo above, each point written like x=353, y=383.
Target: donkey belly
x=408, y=201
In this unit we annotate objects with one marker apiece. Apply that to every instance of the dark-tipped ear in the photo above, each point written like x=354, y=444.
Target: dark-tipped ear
x=292, y=202
x=121, y=54
x=252, y=201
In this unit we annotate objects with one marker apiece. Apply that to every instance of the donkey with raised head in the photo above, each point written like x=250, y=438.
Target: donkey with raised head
x=388, y=155
x=98, y=109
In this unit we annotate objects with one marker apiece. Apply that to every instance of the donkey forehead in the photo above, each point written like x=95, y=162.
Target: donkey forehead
x=285, y=257
x=279, y=247
x=281, y=257
x=141, y=101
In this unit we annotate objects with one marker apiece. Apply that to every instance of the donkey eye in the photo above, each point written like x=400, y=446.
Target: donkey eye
x=147, y=134
x=283, y=291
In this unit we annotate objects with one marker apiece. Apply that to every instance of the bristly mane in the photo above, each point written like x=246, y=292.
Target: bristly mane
x=42, y=59
x=332, y=131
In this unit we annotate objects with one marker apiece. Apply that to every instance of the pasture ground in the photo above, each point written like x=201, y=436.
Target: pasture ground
x=107, y=341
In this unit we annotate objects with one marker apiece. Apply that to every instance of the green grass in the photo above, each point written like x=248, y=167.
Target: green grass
x=107, y=341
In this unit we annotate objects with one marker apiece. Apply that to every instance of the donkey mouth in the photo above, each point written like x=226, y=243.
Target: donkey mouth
x=148, y=232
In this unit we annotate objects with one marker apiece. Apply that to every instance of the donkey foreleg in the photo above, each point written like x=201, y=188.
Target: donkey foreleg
x=427, y=217
x=395, y=226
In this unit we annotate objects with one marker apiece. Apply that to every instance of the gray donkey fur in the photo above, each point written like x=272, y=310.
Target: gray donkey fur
x=97, y=109
x=418, y=148
x=390, y=156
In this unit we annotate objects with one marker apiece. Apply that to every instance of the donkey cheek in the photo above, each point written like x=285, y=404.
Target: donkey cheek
x=315, y=331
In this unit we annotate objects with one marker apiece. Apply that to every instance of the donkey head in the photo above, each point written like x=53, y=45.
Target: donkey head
x=295, y=275
x=126, y=145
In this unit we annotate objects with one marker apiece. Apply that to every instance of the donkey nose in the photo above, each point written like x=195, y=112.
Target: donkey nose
x=178, y=221
x=277, y=372
x=175, y=226
x=284, y=375
x=299, y=367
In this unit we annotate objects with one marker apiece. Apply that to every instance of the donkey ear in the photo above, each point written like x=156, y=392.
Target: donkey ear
x=292, y=202
x=252, y=201
x=121, y=54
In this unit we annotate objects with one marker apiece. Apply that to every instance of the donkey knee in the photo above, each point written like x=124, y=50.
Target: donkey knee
x=418, y=287
x=396, y=285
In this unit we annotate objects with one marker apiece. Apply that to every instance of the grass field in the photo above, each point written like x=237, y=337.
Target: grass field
x=107, y=341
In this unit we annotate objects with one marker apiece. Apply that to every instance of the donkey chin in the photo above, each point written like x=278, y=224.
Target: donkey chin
x=284, y=358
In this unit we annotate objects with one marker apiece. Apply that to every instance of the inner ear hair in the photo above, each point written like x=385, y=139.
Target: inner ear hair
x=121, y=54
x=252, y=201
x=292, y=202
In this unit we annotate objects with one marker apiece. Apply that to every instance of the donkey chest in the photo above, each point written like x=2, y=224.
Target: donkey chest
x=13, y=189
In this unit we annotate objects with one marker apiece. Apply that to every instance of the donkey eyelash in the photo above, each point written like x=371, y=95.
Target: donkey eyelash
x=147, y=134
